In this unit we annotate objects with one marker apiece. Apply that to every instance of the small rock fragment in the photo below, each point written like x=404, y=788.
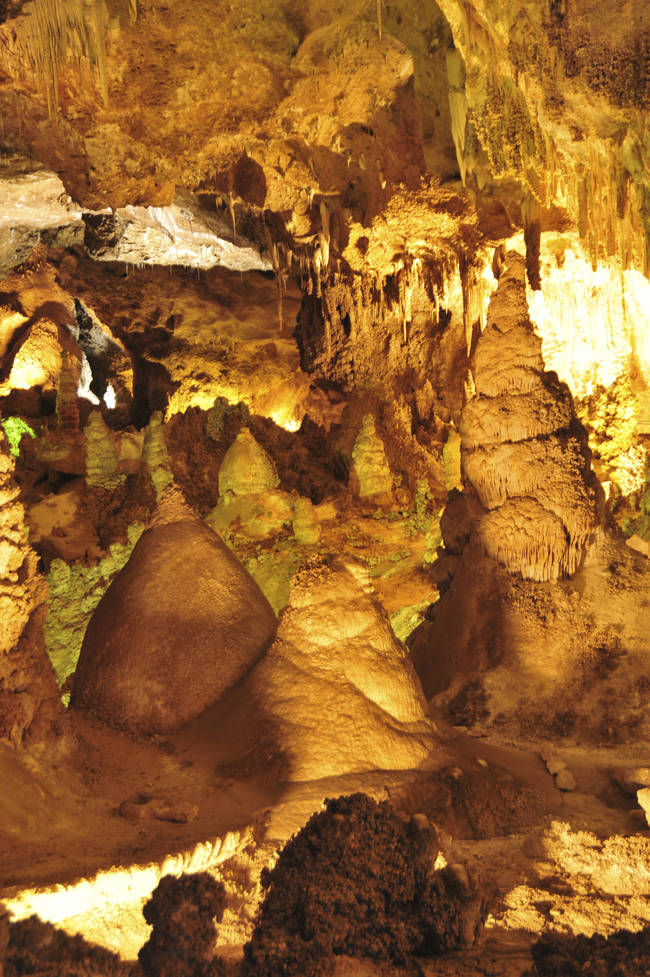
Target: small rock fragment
x=643, y=797
x=421, y=822
x=554, y=765
x=140, y=807
x=564, y=780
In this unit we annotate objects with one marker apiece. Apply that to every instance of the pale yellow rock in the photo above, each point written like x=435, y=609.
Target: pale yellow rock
x=643, y=797
x=451, y=460
x=101, y=454
x=260, y=516
x=372, y=474
x=306, y=524
x=337, y=690
x=639, y=545
x=246, y=468
x=155, y=456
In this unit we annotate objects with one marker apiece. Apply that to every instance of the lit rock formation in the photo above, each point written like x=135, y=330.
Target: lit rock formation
x=306, y=524
x=178, y=626
x=336, y=689
x=155, y=456
x=523, y=450
x=246, y=468
x=101, y=455
x=29, y=697
x=370, y=474
x=540, y=600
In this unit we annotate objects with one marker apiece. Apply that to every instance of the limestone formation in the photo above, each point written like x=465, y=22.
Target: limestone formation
x=67, y=409
x=502, y=640
x=155, y=456
x=336, y=689
x=523, y=450
x=261, y=515
x=28, y=692
x=371, y=474
x=306, y=524
x=246, y=468
x=177, y=627
x=101, y=455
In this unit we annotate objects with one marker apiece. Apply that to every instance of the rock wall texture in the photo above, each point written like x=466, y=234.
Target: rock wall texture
x=29, y=697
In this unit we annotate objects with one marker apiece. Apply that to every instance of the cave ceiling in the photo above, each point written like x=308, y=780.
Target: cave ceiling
x=344, y=138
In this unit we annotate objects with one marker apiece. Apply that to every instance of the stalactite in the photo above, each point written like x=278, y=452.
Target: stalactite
x=231, y=208
x=55, y=29
x=531, y=216
x=457, y=107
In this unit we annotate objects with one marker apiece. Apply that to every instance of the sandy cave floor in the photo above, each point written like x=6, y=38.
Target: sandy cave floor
x=573, y=862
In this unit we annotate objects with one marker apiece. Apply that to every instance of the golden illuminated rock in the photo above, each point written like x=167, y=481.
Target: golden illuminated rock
x=522, y=447
x=306, y=524
x=503, y=640
x=155, y=456
x=180, y=624
x=101, y=454
x=371, y=474
x=246, y=468
x=337, y=689
x=29, y=698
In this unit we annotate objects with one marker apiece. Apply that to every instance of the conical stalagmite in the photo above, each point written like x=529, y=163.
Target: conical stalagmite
x=180, y=624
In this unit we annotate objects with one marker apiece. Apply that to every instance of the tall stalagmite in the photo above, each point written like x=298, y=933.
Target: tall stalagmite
x=539, y=595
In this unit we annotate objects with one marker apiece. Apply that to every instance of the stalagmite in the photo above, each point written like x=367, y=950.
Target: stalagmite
x=336, y=689
x=370, y=473
x=180, y=624
x=522, y=447
x=67, y=408
x=101, y=455
x=537, y=590
x=246, y=468
x=155, y=456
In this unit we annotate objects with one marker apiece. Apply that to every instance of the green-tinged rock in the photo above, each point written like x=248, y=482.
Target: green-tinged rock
x=306, y=524
x=75, y=592
x=246, y=468
x=155, y=456
x=259, y=516
x=371, y=474
x=14, y=428
x=406, y=619
x=272, y=572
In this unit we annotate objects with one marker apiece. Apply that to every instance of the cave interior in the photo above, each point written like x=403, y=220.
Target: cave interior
x=324, y=488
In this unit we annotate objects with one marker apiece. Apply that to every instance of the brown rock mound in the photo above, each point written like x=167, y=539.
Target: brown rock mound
x=180, y=624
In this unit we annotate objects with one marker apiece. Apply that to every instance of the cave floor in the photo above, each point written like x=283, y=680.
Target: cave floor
x=573, y=862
